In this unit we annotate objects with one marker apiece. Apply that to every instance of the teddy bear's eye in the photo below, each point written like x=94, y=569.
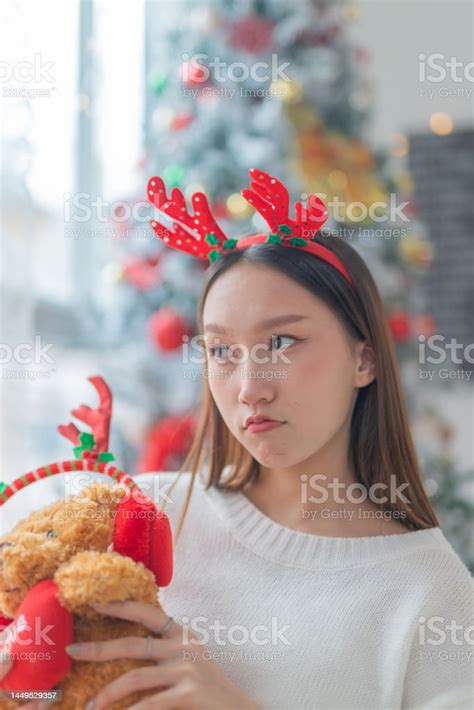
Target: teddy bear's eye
x=51, y=533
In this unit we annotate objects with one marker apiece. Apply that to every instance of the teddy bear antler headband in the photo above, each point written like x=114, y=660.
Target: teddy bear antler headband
x=197, y=233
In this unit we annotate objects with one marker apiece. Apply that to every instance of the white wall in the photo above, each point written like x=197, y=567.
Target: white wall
x=396, y=32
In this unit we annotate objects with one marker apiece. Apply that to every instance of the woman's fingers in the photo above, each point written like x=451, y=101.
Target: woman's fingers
x=136, y=679
x=125, y=647
x=166, y=700
x=5, y=665
x=153, y=617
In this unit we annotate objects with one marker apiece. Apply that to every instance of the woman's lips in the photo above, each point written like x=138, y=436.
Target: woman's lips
x=266, y=425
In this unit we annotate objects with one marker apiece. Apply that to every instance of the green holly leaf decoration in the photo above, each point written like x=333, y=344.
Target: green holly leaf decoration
x=214, y=255
x=87, y=444
x=211, y=238
x=229, y=243
x=298, y=241
x=106, y=456
x=3, y=487
x=284, y=229
x=87, y=440
x=158, y=82
x=273, y=239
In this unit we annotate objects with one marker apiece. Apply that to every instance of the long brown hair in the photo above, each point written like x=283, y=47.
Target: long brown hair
x=381, y=444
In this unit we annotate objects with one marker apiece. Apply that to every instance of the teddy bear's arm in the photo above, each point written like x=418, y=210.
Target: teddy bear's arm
x=91, y=576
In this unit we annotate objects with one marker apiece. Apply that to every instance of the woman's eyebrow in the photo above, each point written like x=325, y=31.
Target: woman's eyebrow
x=277, y=320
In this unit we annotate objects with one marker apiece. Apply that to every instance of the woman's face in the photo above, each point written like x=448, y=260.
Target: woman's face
x=303, y=373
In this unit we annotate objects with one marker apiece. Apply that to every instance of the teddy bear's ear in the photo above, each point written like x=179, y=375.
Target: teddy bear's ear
x=143, y=532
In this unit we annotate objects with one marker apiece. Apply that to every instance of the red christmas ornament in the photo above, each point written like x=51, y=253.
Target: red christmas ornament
x=362, y=55
x=315, y=37
x=424, y=325
x=399, y=324
x=251, y=34
x=194, y=75
x=181, y=120
x=167, y=328
x=166, y=444
x=219, y=209
x=142, y=273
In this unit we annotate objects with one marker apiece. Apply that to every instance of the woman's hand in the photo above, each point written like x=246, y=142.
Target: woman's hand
x=184, y=678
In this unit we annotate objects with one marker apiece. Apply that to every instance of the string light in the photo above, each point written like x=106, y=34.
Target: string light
x=441, y=124
x=400, y=146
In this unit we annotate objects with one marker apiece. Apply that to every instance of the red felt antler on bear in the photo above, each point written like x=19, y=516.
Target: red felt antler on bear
x=98, y=419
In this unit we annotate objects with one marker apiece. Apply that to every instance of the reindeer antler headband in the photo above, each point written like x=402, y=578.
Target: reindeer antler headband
x=197, y=233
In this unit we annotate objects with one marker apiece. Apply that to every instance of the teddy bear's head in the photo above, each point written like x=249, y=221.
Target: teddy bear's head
x=40, y=543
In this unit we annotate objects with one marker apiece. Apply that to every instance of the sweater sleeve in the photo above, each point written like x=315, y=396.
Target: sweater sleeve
x=440, y=670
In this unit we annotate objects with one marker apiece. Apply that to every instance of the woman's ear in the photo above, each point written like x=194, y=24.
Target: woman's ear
x=365, y=370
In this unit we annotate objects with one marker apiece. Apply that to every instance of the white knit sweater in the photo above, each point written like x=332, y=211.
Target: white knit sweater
x=302, y=621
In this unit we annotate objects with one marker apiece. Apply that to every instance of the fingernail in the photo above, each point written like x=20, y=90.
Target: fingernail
x=75, y=649
x=5, y=658
x=90, y=705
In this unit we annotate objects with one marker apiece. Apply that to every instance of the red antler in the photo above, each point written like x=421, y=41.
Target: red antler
x=188, y=230
x=98, y=419
x=271, y=199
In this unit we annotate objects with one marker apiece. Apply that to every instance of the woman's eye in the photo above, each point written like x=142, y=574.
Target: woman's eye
x=217, y=352
x=276, y=338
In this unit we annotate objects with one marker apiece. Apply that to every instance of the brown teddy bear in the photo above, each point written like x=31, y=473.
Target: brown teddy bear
x=108, y=542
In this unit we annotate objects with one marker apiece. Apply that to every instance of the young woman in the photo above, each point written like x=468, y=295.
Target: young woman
x=310, y=571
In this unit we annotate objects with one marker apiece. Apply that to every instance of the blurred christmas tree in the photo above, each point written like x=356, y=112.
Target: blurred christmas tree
x=231, y=86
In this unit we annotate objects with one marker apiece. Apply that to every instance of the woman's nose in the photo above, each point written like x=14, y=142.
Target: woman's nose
x=253, y=390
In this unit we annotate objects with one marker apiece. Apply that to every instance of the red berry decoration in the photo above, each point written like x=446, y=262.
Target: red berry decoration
x=399, y=324
x=194, y=75
x=143, y=274
x=180, y=121
x=167, y=328
x=166, y=444
x=251, y=34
